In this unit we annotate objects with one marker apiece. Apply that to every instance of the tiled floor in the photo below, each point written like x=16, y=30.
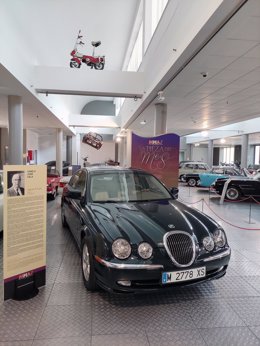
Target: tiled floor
x=221, y=312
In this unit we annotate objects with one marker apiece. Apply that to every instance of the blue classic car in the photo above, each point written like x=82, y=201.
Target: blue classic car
x=207, y=178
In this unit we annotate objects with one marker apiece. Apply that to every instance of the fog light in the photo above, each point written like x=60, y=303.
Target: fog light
x=124, y=283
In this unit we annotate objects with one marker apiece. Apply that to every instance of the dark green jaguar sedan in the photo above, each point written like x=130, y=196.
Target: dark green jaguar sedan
x=135, y=236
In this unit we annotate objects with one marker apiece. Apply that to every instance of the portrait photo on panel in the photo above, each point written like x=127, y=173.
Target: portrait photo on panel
x=15, y=184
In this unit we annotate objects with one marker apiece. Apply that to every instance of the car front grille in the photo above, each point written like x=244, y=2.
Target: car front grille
x=180, y=246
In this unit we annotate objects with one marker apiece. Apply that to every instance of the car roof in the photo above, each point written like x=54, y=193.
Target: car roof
x=101, y=169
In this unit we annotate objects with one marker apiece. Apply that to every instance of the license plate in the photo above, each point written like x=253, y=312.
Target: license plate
x=183, y=275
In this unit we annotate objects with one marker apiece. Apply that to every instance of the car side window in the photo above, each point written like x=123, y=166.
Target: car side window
x=201, y=167
x=189, y=166
x=218, y=171
x=80, y=183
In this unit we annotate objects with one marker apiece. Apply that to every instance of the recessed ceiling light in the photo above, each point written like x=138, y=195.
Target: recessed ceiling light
x=143, y=122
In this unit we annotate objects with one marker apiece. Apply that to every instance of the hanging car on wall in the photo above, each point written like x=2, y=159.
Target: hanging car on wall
x=93, y=139
x=98, y=62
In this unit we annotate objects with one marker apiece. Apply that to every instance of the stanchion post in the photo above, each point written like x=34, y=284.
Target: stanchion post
x=250, y=210
x=189, y=192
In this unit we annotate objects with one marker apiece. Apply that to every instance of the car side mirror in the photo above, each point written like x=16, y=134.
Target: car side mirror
x=174, y=192
x=72, y=193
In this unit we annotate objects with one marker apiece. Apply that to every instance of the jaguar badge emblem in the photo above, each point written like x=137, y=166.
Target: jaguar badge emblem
x=171, y=226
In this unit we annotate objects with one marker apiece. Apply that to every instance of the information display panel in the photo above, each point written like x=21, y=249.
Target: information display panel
x=24, y=230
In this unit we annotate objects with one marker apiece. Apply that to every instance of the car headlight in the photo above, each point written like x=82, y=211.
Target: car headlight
x=145, y=250
x=208, y=243
x=121, y=248
x=219, y=238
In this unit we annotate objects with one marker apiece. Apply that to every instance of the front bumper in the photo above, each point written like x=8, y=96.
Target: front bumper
x=134, y=278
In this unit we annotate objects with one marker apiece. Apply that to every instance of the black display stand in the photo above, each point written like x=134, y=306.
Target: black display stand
x=25, y=288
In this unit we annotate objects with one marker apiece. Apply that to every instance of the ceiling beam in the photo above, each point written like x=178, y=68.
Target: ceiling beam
x=67, y=81
x=83, y=120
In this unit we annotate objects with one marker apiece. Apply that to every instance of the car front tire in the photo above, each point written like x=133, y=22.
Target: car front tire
x=233, y=193
x=182, y=178
x=192, y=182
x=87, y=266
x=54, y=194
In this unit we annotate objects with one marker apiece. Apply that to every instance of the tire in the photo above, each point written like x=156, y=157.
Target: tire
x=87, y=266
x=192, y=182
x=63, y=218
x=54, y=194
x=182, y=179
x=74, y=64
x=233, y=193
x=99, y=66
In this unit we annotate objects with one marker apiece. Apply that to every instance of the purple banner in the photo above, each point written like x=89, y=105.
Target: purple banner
x=158, y=155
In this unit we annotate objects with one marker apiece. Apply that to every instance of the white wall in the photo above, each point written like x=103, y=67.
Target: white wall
x=32, y=140
x=106, y=152
x=47, y=149
x=200, y=154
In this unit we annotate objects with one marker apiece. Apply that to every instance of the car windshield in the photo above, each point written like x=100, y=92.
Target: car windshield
x=126, y=187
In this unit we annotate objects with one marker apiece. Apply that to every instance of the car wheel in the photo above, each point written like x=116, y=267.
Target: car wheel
x=232, y=193
x=63, y=217
x=54, y=194
x=192, y=182
x=182, y=178
x=87, y=266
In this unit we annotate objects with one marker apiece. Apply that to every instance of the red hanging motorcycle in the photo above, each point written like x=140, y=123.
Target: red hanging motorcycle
x=98, y=62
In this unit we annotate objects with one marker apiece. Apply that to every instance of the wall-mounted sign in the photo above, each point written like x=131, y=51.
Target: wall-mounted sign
x=158, y=155
x=24, y=230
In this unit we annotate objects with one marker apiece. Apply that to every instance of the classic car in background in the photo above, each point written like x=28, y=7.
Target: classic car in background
x=1, y=200
x=239, y=187
x=93, y=139
x=191, y=167
x=135, y=236
x=53, y=183
x=52, y=166
x=206, y=179
x=64, y=180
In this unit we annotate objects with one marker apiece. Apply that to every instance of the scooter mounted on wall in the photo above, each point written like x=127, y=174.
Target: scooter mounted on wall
x=96, y=62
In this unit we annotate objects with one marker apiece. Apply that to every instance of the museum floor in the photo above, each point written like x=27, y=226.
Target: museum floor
x=221, y=312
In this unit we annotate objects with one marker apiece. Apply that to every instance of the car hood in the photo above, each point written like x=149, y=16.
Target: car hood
x=149, y=221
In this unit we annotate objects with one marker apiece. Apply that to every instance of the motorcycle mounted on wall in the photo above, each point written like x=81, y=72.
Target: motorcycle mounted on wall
x=96, y=62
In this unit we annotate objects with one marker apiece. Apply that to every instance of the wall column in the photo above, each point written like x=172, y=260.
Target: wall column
x=210, y=152
x=128, y=149
x=160, y=119
x=59, y=139
x=188, y=155
x=244, y=151
x=15, y=142
x=25, y=147
x=69, y=149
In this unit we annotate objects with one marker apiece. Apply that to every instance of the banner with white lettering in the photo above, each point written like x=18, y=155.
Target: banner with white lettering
x=158, y=155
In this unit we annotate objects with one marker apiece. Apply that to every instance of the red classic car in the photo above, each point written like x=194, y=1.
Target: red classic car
x=93, y=139
x=53, y=183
